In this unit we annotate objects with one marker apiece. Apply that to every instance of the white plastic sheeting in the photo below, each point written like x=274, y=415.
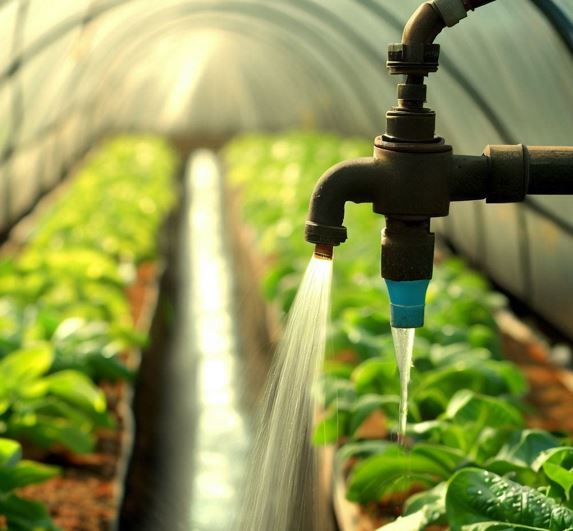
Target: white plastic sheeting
x=72, y=70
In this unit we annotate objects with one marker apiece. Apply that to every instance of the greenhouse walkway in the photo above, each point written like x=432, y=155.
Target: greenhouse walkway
x=201, y=436
x=221, y=437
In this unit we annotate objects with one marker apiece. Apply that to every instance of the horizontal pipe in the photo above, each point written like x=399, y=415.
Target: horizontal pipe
x=469, y=178
x=550, y=170
x=506, y=173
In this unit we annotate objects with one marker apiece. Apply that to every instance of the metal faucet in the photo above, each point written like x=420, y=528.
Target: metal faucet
x=414, y=175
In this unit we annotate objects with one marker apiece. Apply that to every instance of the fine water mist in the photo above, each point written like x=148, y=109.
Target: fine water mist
x=403, y=347
x=281, y=493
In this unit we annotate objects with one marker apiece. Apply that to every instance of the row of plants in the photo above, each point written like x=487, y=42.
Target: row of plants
x=471, y=462
x=65, y=319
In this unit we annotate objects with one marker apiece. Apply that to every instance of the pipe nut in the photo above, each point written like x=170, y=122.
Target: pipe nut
x=324, y=234
x=508, y=173
x=418, y=58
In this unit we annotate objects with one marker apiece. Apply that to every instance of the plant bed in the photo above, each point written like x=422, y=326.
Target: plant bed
x=79, y=287
x=87, y=494
x=550, y=394
x=468, y=436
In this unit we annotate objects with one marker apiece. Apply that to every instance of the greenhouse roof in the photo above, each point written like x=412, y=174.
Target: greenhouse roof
x=74, y=70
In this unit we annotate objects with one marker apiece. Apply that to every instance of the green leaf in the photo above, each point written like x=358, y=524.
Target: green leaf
x=467, y=407
x=10, y=452
x=376, y=375
x=559, y=455
x=417, y=521
x=333, y=426
x=448, y=458
x=434, y=498
x=25, y=515
x=47, y=431
x=499, y=526
x=24, y=365
x=100, y=367
x=486, y=377
x=25, y=473
x=367, y=404
x=338, y=369
x=337, y=391
x=396, y=469
x=421, y=510
x=518, y=454
x=77, y=389
x=476, y=496
x=561, y=476
x=360, y=449
x=525, y=446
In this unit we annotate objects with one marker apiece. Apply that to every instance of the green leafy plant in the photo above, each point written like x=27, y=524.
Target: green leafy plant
x=82, y=255
x=62, y=408
x=64, y=314
x=465, y=406
x=20, y=514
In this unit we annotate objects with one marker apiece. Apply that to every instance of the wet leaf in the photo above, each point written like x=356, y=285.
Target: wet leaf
x=477, y=496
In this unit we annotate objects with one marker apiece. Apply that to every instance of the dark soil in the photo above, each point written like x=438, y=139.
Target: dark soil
x=549, y=394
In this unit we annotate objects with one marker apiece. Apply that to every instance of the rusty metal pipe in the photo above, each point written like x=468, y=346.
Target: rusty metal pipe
x=550, y=170
x=423, y=26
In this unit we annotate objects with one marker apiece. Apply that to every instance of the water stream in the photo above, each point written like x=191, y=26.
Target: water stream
x=281, y=490
x=403, y=347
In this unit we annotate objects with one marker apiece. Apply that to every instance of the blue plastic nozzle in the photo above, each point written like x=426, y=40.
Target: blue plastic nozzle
x=407, y=302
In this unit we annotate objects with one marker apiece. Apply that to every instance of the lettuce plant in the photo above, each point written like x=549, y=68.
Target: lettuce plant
x=17, y=513
x=465, y=407
x=62, y=408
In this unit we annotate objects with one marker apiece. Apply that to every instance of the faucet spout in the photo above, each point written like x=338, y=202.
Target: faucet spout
x=353, y=180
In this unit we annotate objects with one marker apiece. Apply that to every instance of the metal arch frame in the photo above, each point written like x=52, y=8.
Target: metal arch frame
x=558, y=20
x=56, y=123
x=84, y=18
x=239, y=8
x=59, y=31
x=322, y=78
x=69, y=25
x=16, y=111
x=54, y=34
x=13, y=69
x=225, y=26
x=104, y=8
x=128, y=56
x=93, y=13
x=84, y=22
x=80, y=106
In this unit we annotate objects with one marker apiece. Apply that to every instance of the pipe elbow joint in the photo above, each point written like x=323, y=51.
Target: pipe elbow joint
x=353, y=180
